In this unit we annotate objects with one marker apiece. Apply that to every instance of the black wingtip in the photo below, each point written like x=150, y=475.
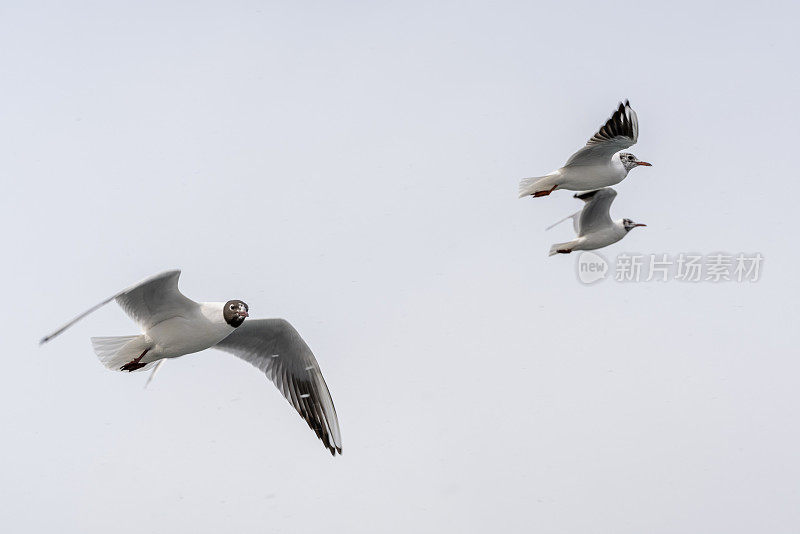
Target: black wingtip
x=585, y=195
x=620, y=124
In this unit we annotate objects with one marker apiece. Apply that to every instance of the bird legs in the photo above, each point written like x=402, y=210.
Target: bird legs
x=134, y=364
x=544, y=193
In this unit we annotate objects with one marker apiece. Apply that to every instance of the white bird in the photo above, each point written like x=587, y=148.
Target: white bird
x=599, y=164
x=593, y=223
x=174, y=325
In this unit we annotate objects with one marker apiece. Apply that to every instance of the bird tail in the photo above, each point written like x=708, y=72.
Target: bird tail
x=536, y=184
x=114, y=352
x=569, y=246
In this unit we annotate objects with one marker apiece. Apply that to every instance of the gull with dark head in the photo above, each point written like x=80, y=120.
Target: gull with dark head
x=593, y=223
x=600, y=163
x=173, y=325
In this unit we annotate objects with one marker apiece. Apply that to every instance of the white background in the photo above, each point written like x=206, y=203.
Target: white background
x=353, y=167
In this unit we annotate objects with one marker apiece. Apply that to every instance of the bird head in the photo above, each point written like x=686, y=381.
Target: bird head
x=235, y=312
x=630, y=225
x=629, y=161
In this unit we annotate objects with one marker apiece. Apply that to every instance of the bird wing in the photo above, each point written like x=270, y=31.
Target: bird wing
x=148, y=303
x=618, y=133
x=276, y=348
x=595, y=213
x=576, y=221
x=155, y=299
x=153, y=372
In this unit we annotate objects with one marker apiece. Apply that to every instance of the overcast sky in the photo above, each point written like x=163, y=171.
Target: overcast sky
x=353, y=168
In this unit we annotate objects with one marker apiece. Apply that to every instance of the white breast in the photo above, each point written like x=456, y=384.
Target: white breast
x=203, y=328
x=589, y=177
x=603, y=237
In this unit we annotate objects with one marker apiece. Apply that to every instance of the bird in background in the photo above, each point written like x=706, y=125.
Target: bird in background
x=593, y=223
x=173, y=325
x=598, y=164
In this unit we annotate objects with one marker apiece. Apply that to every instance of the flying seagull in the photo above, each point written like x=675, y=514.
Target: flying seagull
x=593, y=224
x=599, y=164
x=174, y=325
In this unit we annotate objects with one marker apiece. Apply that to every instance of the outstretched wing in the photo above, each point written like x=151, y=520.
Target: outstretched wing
x=595, y=213
x=155, y=299
x=276, y=348
x=148, y=303
x=576, y=221
x=618, y=133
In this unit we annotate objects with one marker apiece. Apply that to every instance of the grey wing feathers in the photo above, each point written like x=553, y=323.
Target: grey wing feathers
x=155, y=299
x=595, y=213
x=51, y=335
x=276, y=348
x=147, y=302
x=576, y=221
x=619, y=132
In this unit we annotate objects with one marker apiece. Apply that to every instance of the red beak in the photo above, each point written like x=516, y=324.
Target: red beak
x=644, y=163
x=639, y=224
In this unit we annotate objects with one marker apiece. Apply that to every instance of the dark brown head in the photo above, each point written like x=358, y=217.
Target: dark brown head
x=235, y=312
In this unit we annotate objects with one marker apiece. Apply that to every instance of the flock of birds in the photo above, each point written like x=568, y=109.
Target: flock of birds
x=172, y=325
x=593, y=169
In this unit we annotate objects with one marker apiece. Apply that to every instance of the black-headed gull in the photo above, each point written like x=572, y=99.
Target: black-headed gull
x=593, y=223
x=174, y=325
x=599, y=164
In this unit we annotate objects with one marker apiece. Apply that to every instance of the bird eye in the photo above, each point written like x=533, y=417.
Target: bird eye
x=232, y=306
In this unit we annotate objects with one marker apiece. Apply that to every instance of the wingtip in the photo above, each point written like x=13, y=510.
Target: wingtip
x=584, y=195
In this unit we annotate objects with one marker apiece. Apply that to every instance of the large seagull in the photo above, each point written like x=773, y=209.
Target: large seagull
x=173, y=325
x=598, y=164
x=593, y=223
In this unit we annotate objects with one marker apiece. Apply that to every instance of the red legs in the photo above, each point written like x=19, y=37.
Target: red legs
x=544, y=193
x=134, y=364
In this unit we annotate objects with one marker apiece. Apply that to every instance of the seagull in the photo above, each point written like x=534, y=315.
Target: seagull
x=599, y=164
x=593, y=224
x=173, y=325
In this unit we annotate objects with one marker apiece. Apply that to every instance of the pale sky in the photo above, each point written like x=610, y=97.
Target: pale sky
x=353, y=168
